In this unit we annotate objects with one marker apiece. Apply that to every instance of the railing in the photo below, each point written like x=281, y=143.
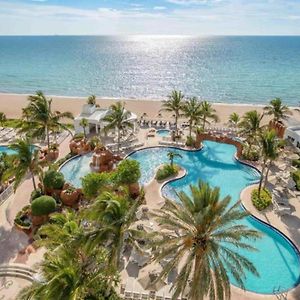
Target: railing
x=6, y=193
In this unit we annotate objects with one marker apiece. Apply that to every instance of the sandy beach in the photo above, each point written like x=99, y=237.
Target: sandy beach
x=12, y=104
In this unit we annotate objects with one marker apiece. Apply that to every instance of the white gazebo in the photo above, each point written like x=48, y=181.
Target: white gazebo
x=95, y=115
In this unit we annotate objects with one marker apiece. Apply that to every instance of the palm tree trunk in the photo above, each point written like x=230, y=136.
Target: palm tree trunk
x=261, y=178
x=118, y=142
x=191, y=124
x=84, y=133
x=204, y=121
x=33, y=180
x=48, y=137
x=176, y=129
x=267, y=174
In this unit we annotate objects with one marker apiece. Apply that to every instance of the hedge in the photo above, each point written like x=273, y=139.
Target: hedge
x=43, y=205
x=263, y=201
x=54, y=180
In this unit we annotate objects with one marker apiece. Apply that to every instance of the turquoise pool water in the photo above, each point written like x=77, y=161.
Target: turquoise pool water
x=276, y=261
x=163, y=132
x=5, y=149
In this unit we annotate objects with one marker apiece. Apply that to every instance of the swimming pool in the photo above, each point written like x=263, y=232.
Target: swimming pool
x=276, y=261
x=5, y=149
x=163, y=132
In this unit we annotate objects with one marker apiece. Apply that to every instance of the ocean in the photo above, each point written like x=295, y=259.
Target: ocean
x=233, y=69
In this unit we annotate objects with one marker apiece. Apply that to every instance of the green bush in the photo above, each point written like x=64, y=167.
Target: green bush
x=94, y=142
x=296, y=163
x=128, y=171
x=263, y=201
x=43, y=205
x=78, y=136
x=253, y=155
x=190, y=141
x=92, y=183
x=54, y=180
x=35, y=194
x=296, y=178
x=166, y=171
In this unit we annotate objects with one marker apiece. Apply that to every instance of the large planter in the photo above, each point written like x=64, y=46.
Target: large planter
x=134, y=190
x=39, y=220
x=70, y=199
x=52, y=155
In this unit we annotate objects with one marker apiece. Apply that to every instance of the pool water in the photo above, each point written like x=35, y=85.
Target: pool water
x=5, y=149
x=163, y=132
x=276, y=261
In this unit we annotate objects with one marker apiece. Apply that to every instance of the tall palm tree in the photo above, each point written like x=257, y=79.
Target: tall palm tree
x=208, y=113
x=39, y=119
x=234, y=119
x=192, y=111
x=84, y=123
x=25, y=160
x=174, y=104
x=114, y=217
x=251, y=127
x=62, y=229
x=171, y=155
x=277, y=110
x=73, y=274
x=200, y=237
x=118, y=118
x=269, y=150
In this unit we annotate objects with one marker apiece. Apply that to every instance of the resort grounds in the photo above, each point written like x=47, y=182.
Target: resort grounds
x=15, y=246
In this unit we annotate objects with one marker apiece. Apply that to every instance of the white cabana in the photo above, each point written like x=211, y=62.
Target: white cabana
x=95, y=116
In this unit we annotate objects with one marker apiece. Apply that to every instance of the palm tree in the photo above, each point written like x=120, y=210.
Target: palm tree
x=118, y=118
x=73, y=274
x=2, y=118
x=62, y=229
x=208, y=112
x=25, y=160
x=250, y=127
x=192, y=111
x=234, y=119
x=200, y=237
x=171, y=156
x=91, y=100
x=39, y=119
x=269, y=149
x=114, y=217
x=174, y=104
x=84, y=123
x=277, y=110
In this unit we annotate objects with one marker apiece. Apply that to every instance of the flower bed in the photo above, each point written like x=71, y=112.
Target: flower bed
x=263, y=201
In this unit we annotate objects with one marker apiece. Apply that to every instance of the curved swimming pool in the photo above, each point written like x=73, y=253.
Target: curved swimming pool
x=277, y=261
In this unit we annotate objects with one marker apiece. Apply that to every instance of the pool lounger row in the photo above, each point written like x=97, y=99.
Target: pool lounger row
x=167, y=143
x=143, y=296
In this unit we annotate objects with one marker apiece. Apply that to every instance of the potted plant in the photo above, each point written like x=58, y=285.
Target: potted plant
x=70, y=196
x=22, y=220
x=53, y=152
x=41, y=207
x=53, y=182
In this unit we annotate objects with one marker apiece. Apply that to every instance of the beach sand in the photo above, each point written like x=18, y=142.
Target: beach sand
x=12, y=104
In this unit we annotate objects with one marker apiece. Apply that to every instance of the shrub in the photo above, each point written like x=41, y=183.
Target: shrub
x=94, y=142
x=296, y=178
x=190, y=141
x=166, y=171
x=253, y=155
x=296, y=163
x=35, y=194
x=78, y=136
x=92, y=183
x=263, y=201
x=43, y=205
x=128, y=172
x=54, y=180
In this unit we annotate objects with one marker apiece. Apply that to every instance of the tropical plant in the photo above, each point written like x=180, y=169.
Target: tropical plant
x=91, y=100
x=43, y=205
x=234, y=119
x=84, y=123
x=251, y=127
x=114, y=216
x=39, y=120
x=62, y=229
x=5, y=163
x=208, y=113
x=269, y=152
x=128, y=171
x=92, y=184
x=53, y=179
x=166, y=171
x=2, y=118
x=277, y=110
x=200, y=237
x=171, y=155
x=174, y=104
x=118, y=118
x=71, y=273
x=192, y=111
x=26, y=159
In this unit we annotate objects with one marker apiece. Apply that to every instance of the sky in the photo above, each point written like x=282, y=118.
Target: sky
x=172, y=17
